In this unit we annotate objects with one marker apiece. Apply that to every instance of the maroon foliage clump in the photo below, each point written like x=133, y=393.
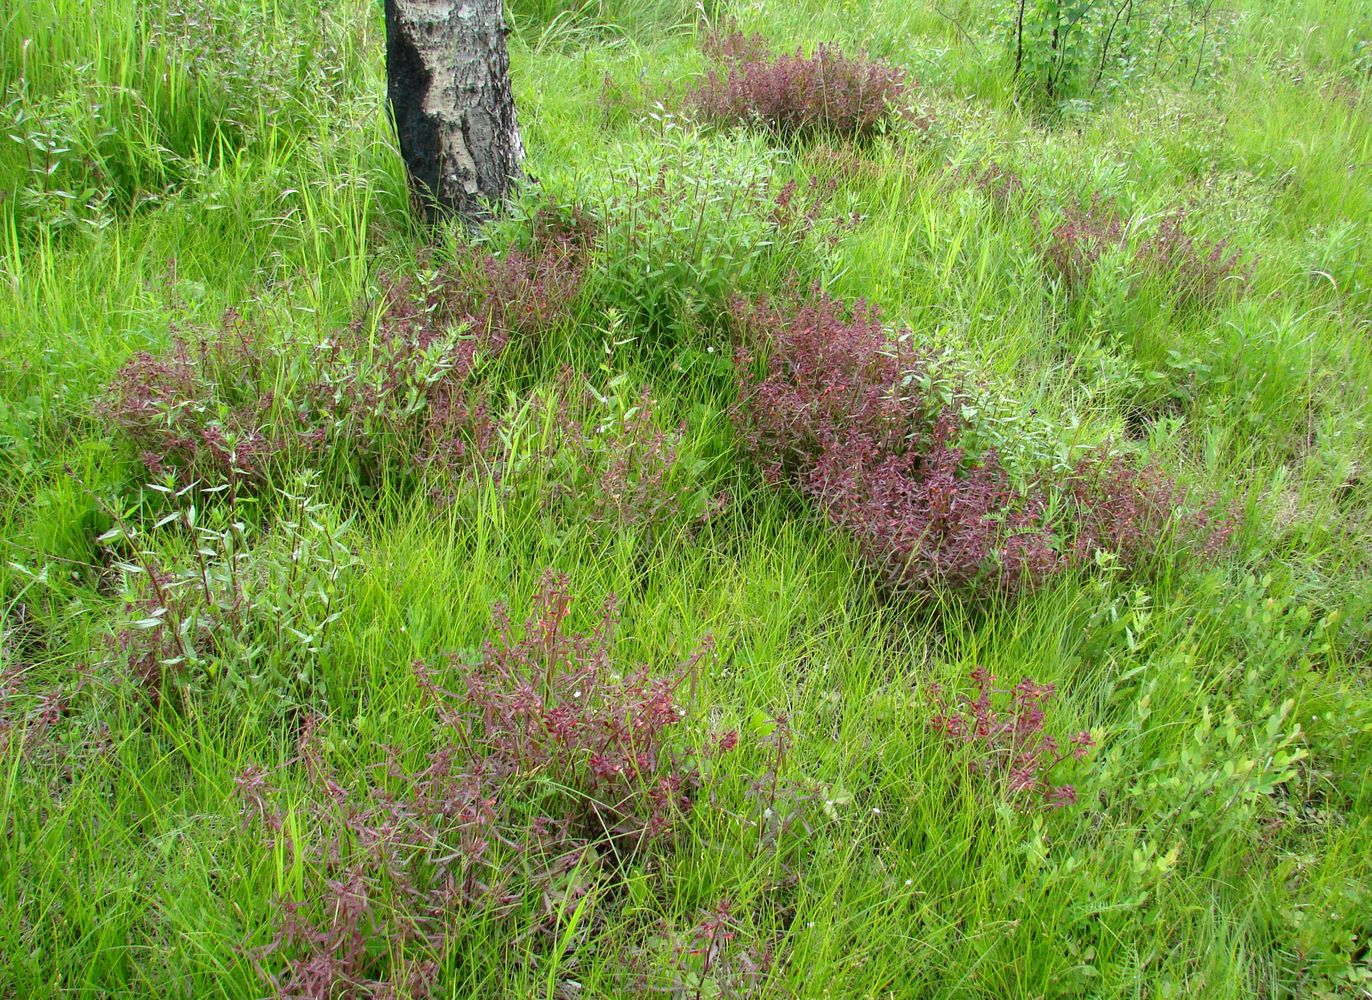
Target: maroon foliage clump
x=383, y=892
x=1199, y=274
x=203, y=407
x=551, y=768
x=863, y=425
x=1079, y=241
x=545, y=700
x=797, y=96
x=402, y=396
x=1127, y=510
x=850, y=416
x=933, y=518
x=522, y=294
x=1003, y=731
x=828, y=375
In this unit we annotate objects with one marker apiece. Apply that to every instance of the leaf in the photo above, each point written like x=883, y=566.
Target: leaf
x=836, y=798
x=761, y=723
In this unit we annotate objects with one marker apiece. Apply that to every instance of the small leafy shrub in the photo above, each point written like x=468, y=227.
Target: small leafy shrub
x=864, y=426
x=238, y=403
x=551, y=768
x=29, y=720
x=998, y=185
x=1128, y=510
x=1077, y=243
x=1199, y=274
x=1003, y=732
x=203, y=408
x=408, y=397
x=205, y=606
x=608, y=461
x=544, y=700
x=933, y=518
x=714, y=957
x=690, y=221
x=795, y=96
x=1067, y=53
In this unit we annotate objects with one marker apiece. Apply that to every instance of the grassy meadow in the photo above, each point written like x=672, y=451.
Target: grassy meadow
x=222, y=773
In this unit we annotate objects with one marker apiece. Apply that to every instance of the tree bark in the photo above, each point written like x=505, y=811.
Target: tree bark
x=448, y=81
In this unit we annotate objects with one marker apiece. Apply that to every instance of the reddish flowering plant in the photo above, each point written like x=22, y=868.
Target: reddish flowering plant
x=543, y=699
x=401, y=396
x=863, y=425
x=849, y=414
x=1079, y=241
x=1200, y=274
x=797, y=96
x=203, y=406
x=713, y=958
x=1128, y=510
x=1003, y=731
x=547, y=760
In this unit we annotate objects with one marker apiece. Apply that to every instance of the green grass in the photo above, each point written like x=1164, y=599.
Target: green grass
x=160, y=163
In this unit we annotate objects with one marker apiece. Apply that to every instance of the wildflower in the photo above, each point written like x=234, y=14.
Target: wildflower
x=795, y=95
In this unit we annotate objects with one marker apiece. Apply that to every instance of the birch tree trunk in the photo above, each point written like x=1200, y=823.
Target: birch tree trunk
x=448, y=81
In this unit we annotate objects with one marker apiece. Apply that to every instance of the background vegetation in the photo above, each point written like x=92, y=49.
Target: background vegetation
x=310, y=517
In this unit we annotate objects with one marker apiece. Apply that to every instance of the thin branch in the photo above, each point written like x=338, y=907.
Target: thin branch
x=1109, y=36
x=1205, y=36
x=1019, y=39
x=958, y=24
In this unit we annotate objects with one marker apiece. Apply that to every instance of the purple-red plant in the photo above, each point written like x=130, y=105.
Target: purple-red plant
x=858, y=420
x=1127, y=509
x=849, y=414
x=522, y=294
x=548, y=762
x=797, y=96
x=385, y=891
x=1199, y=273
x=203, y=407
x=930, y=519
x=543, y=699
x=1003, y=732
x=401, y=396
x=1079, y=241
